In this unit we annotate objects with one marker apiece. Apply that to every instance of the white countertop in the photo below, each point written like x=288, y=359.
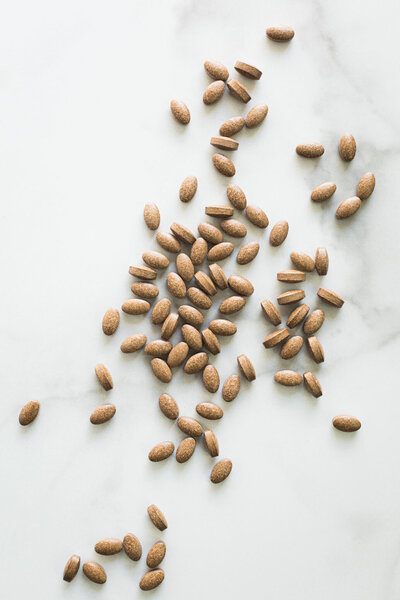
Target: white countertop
x=87, y=138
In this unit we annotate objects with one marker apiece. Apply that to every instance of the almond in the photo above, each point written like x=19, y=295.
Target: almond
x=234, y=228
x=72, y=567
x=168, y=242
x=29, y=412
x=366, y=186
x=190, y=426
x=224, y=165
x=218, y=276
x=271, y=312
x=247, y=253
x=247, y=70
x=210, y=233
x=160, y=311
x=257, y=216
x=291, y=276
x=188, y=188
x=296, y=317
x=347, y=147
x=142, y=272
x=210, y=341
x=104, y=377
x=161, y=451
x=213, y=92
x=185, y=450
x=288, y=378
x=211, y=443
x=94, y=572
x=256, y=115
x=310, y=150
x=291, y=347
x=223, y=327
x=183, y=233
x=280, y=33
x=238, y=90
x=168, y=406
x=161, y=370
x=176, y=286
x=321, y=261
x=135, y=307
x=348, y=207
x=210, y=411
x=199, y=298
x=313, y=322
x=198, y=251
x=156, y=554
x=323, y=192
x=316, y=349
x=151, y=216
x=312, y=384
x=144, y=290
x=108, y=546
x=302, y=261
x=102, y=414
x=221, y=470
x=231, y=388
x=132, y=546
x=291, y=297
x=151, y=580
x=330, y=297
x=191, y=315
x=232, y=126
x=155, y=260
x=231, y=305
x=157, y=517
x=178, y=354
x=110, y=321
x=279, y=233
x=211, y=379
x=216, y=69
x=218, y=210
x=205, y=283
x=192, y=337
x=246, y=367
x=180, y=111
x=236, y=196
x=220, y=251
x=346, y=423
x=240, y=285
x=158, y=348
x=276, y=337
x=196, y=363
x=169, y=326
x=224, y=143
x=133, y=343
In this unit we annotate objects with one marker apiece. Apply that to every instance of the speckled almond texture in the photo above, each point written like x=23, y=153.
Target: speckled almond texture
x=199, y=298
x=236, y=196
x=232, y=126
x=188, y=188
x=157, y=517
x=231, y=388
x=302, y=261
x=180, y=111
x=330, y=297
x=291, y=347
x=314, y=321
x=198, y=251
x=151, y=215
x=196, y=363
x=346, y=423
x=133, y=343
x=210, y=341
x=211, y=379
x=94, y=572
x=216, y=69
x=144, y=290
x=132, y=547
x=155, y=260
x=168, y=241
x=240, y=285
x=183, y=233
x=210, y=411
x=160, y=311
x=191, y=315
x=280, y=33
x=276, y=337
x=366, y=186
x=246, y=367
x=168, y=406
x=170, y=325
x=279, y=233
x=29, y=412
x=231, y=305
x=185, y=451
x=104, y=376
x=291, y=276
x=218, y=276
x=213, y=92
x=257, y=216
x=158, y=348
x=161, y=370
x=234, y=228
x=247, y=253
x=256, y=115
x=211, y=443
x=220, y=251
x=190, y=426
x=288, y=378
x=323, y=192
x=312, y=384
x=211, y=233
x=205, y=283
x=316, y=350
x=310, y=150
x=347, y=147
x=222, y=327
x=156, y=554
x=271, y=312
x=348, y=207
x=224, y=165
x=178, y=354
x=142, y=272
x=135, y=307
x=152, y=579
x=297, y=316
x=238, y=90
x=192, y=337
x=176, y=286
x=108, y=546
x=102, y=414
x=72, y=567
x=110, y=321
x=161, y=451
x=221, y=471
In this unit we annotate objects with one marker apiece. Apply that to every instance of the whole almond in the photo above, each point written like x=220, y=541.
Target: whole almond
x=224, y=165
x=247, y=70
x=205, y=283
x=108, y=546
x=158, y=348
x=157, y=517
x=183, y=233
x=168, y=406
x=210, y=233
x=313, y=322
x=216, y=69
x=221, y=470
x=161, y=370
x=291, y=347
x=232, y=126
x=213, y=92
x=151, y=216
x=211, y=379
x=247, y=253
x=279, y=233
x=223, y=327
x=315, y=349
x=246, y=367
x=210, y=341
x=72, y=567
x=211, y=443
x=169, y=326
x=161, y=451
x=135, y=307
x=142, y=272
x=232, y=305
x=180, y=111
x=236, y=196
x=366, y=186
x=156, y=554
x=276, y=337
x=291, y=276
x=348, y=207
x=191, y=315
x=297, y=316
x=302, y=261
x=312, y=384
x=257, y=216
x=346, y=423
x=145, y=290
x=94, y=572
x=288, y=378
x=188, y=188
x=192, y=337
x=219, y=210
x=110, y=321
x=151, y=580
x=220, y=251
x=347, y=147
x=234, y=228
x=132, y=546
x=238, y=90
x=190, y=426
x=256, y=115
x=321, y=261
x=271, y=312
x=169, y=242
x=199, y=298
x=104, y=376
x=29, y=412
x=280, y=33
x=160, y=311
x=185, y=268
x=185, y=450
x=310, y=150
x=323, y=192
x=133, y=343
x=102, y=414
x=198, y=251
x=224, y=143
x=240, y=285
x=155, y=260
x=176, y=286
x=218, y=276
x=231, y=388
x=196, y=363
x=330, y=297
x=178, y=354
x=291, y=296
x=210, y=411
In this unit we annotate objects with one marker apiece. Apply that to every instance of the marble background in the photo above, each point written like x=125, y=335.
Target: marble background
x=86, y=140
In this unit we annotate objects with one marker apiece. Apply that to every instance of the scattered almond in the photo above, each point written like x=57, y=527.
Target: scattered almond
x=291, y=347
x=190, y=426
x=280, y=33
x=110, y=321
x=211, y=443
x=94, y=572
x=288, y=378
x=196, y=363
x=297, y=316
x=236, y=196
x=210, y=411
x=198, y=251
x=192, y=337
x=72, y=567
x=347, y=147
x=346, y=423
x=151, y=216
x=168, y=242
x=135, y=307
x=257, y=216
x=256, y=115
x=218, y=276
x=313, y=322
x=102, y=414
x=155, y=260
x=211, y=233
x=291, y=276
x=220, y=251
x=133, y=343
x=238, y=90
x=191, y=315
x=330, y=297
x=321, y=261
x=240, y=285
x=323, y=192
x=231, y=126
x=178, y=354
x=168, y=406
x=222, y=327
x=291, y=297
x=104, y=377
x=161, y=370
x=348, y=207
x=30, y=411
x=316, y=349
x=169, y=326
x=211, y=379
x=247, y=70
x=199, y=298
x=184, y=452
x=108, y=546
x=234, y=228
x=218, y=210
x=231, y=388
x=160, y=311
x=142, y=272
x=279, y=233
x=302, y=261
x=232, y=305
x=183, y=233
x=188, y=188
x=176, y=286
x=246, y=367
x=210, y=341
x=213, y=92
x=224, y=143
x=224, y=165
x=145, y=290
x=216, y=69
x=158, y=348
x=311, y=150
x=366, y=186
x=161, y=451
x=157, y=517
x=312, y=384
x=132, y=546
x=180, y=111
x=247, y=253
x=276, y=337
x=151, y=580
x=271, y=312
x=221, y=470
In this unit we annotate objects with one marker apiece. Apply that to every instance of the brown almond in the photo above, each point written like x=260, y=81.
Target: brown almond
x=220, y=251
x=161, y=370
x=29, y=412
x=183, y=233
x=198, y=251
x=151, y=580
x=142, y=272
x=231, y=388
x=211, y=442
x=279, y=233
x=312, y=384
x=256, y=115
x=102, y=414
x=199, y=298
x=176, y=286
x=221, y=470
x=169, y=326
x=72, y=567
x=188, y=188
x=346, y=423
x=348, y=207
x=210, y=411
x=216, y=69
x=330, y=297
x=291, y=296
x=323, y=192
x=211, y=379
x=271, y=312
x=240, y=285
x=110, y=321
x=190, y=426
x=205, y=283
x=302, y=261
x=160, y=311
x=347, y=147
x=213, y=92
x=133, y=343
x=132, y=546
x=223, y=327
x=238, y=90
x=168, y=241
x=291, y=276
x=104, y=376
x=151, y=216
x=257, y=216
x=178, y=354
x=280, y=33
x=168, y=406
x=366, y=186
x=224, y=143
x=180, y=111
x=247, y=70
x=157, y=517
x=232, y=305
x=234, y=228
x=158, y=348
x=196, y=363
x=210, y=233
x=191, y=315
x=224, y=165
x=185, y=268
x=288, y=378
x=135, y=307
x=291, y=347
x=321, y=261
x=144, y=290
x=246, y=367
x=161, y=451
x=276, y=337
x=297, y=316
x=155, y=260
x=316, y=350
x=108, y=546
x=313, y=321
x=218, y=276
x=210, y=341
x=94, y=572
x=236, y=196
x=218, y=210
x=232, y=126
x=185, y=450
x=247, y=253
x=310, y=150
x=192, y=337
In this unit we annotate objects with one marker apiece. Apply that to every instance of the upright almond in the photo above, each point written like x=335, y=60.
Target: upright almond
x=279, y=233
x=157, y=517
x=192, y=337
x=185, y=450
x=247, y=253
x=256, y=115
x=178, y=354
x=221, y=470
x=321, y=261
x=347, y=147
x=176, y=286
x=160, y=311
x=188, y=188
x=198, y=251
x=213, y=92
x=161, y=370
x=151, y=216
x=94, y=572
x=151, y=580
x=366, y=186
x=297, y=316
x=169, y=326
x=211, y=442
x=110, y=321
x=104, y=377
x=132, y=547
x=348, y=207
x=313, y=321
x=271, y=312
x=224, y=165
x=236, y=196
x=218, y=276
x=180, y=111
x=168, y=406
x=246, y=367
x=211, y=379
x=29, y=412
x=231, y=388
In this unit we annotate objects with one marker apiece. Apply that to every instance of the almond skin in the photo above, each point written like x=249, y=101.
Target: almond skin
x=291, y=347
x=256, y=115
x=72, y=567
x=346, y=423
x=238, y=90
x=220, y=251
x=168, y=406
x=161, y=451
x=156, y=554
x=168, y=242
x=104, y=377
x=190, y=426
x=223, y=327
x=211, y=379
x=246, y=367
x=232, y=126
x=224, y=165
x=178, y=354
x=231, y=388
x=240, y=285
x=180, y=111
x=183, y=233
x=221, y=470
x=288, y=378
x=291, y=276
x=310, y=150
x=192, y=337
x=234, y=228
x=94, y=572
x=210, y=411
x=271, y=312
x=257, y=216
x=161, y=370
x=185, y=451
x=291, y=296
x=210, y=233
x=224, y=143
x=157, y=517
x=155, y=260
x=145, y=290
x=158, y=348
x=142, y=272
x=216, y=69
x=366, y=186
x=280, y=33
x=322, y=261
x=247, y=70
x=323, y=192
x=312, y=384
x=247, y=253
x=191, y=315
x=199, y=298
x=315, y=349
x=176, y=286
x=151, y=216
x=110, y=321
x=169, y=326
x=29, y=412
x=348, y=207
x=108, y=546
x=330, y=297
x=279, y=233
x=151, y=580
x=102, y=414
x=213, y=92
x=188, y=188
x=135, y=307
x=276, y=337
x=236, y=196
x=313, y=322
x=296, y=316
x=133, y=343
x=210, y=341
x=205, y=283
x=132, y=546
x=232, y=305
x=347, y=147
x=211, y=443
x=196, y=363
x=218, y=276
x=198, y=251
x=160, y=311
x=302, y=261
x=219, y=210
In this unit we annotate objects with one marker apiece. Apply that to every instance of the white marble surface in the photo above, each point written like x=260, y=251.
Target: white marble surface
x=87, y=139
